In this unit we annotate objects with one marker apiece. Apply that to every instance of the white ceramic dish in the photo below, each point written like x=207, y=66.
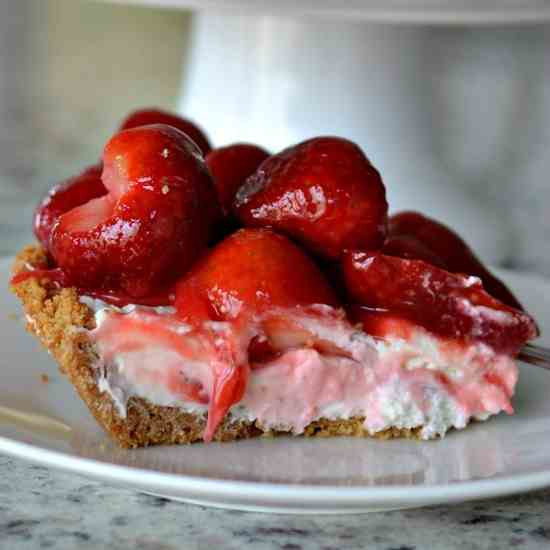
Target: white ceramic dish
x=48, y=424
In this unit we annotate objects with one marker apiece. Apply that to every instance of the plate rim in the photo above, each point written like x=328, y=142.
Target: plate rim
x=321, y=497
x=276, y=492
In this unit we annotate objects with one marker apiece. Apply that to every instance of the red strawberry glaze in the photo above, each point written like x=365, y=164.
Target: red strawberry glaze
x=55, y=275
x=146, y=117
x=153, y=223
x=450, y=305
x=64, y=197
x=161, y=297
x=58, y=277
x=324, y=193
x=229, y=386
x=450, y=251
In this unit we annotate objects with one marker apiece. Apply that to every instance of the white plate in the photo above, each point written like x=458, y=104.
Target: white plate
x=507, y=454
x=385, y=11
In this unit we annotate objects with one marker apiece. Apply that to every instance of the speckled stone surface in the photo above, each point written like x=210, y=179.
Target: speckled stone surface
x=40, y=508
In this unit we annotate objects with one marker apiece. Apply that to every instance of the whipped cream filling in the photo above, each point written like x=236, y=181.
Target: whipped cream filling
x=337, y=372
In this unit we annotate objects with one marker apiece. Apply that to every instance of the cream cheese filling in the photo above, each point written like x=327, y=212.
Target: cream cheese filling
x=419, y=382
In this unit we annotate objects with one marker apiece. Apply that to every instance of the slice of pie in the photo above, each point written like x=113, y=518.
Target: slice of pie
x=299, y=310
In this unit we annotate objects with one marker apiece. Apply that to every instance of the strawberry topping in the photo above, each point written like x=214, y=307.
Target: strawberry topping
x=64, y=197
x=247, y=273
x=150, y=226
x=136, y=230
x=56, y=276
x=230, y=166
x=450, y=305
x=324, y=193
x=446, y=249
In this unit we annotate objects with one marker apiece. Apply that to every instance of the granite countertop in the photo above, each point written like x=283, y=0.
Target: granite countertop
x=41, y=508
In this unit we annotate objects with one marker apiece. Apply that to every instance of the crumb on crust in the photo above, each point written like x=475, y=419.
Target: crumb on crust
x=56, y=317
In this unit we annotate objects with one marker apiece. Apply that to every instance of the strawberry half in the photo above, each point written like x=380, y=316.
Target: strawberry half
x=250, y=271
x=448, y=304
x=64, y=197
x=146, y=117
x=450, y=251
x=153, y=222
x=323, y=192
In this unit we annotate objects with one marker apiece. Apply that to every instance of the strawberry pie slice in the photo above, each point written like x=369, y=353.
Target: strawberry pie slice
x=309, y=314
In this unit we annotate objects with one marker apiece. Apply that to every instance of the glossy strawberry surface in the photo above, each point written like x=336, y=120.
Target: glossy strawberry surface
x=230, y=166
x=250, y=271
x=64, y=197
x=448, y=304
x=153, y=223
x=164, y=296
x=324, y=193
x=145, y=117
x=452, y=252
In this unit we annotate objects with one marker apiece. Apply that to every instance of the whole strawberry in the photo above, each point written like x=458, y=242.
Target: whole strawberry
x=153, y=222
x=145, y=117
x=230, y=166
x=324, y=193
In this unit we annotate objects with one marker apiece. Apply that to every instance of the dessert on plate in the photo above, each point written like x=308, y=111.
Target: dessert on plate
x=191, y=293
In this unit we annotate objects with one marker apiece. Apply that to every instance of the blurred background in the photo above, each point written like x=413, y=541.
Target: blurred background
x=456, y=118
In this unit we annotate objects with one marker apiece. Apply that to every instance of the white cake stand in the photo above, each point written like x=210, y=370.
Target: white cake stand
x=435, y=107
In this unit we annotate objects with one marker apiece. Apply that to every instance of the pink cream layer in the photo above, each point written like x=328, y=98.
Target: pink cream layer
x=325, y=368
